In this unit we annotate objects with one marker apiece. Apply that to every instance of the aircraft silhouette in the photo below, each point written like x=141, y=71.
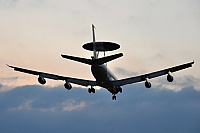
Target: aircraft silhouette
x=104, y=77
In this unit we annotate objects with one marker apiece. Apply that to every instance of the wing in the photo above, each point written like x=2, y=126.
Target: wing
x=77, y=81
x=151, y=75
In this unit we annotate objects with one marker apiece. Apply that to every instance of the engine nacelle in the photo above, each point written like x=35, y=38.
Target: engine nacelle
x=68, y=86
x=147, y=84
x=170, y=78
x=119, y=89
x=41, y=80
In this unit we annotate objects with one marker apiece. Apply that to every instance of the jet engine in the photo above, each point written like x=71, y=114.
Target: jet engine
x=147, y=84
x=68, y=86
x=41, y=80
x=170, y=78
x=120, y=90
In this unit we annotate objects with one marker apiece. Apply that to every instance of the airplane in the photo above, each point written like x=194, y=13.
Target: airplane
x=104, y=77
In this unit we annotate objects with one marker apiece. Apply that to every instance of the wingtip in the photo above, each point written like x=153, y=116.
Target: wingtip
x=63, y=55
x=10, y=66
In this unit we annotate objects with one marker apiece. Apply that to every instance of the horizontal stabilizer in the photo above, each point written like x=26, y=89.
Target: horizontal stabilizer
x=99, y=61
x=107, y=58
x=78, y=59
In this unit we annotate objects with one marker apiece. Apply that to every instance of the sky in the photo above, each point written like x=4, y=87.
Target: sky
x=152, y=34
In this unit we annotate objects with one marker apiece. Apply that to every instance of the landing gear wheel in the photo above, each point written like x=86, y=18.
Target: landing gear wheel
x=114, y=97
x=89, y=90
x=93, y=90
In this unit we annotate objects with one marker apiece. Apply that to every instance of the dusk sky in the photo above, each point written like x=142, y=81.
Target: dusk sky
x=152, y=34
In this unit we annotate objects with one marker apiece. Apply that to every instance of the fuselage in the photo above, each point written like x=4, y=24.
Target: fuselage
x=104, y=77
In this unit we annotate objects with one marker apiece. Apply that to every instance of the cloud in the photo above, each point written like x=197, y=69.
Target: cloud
x=68, y=105
x=72, y=105
x=5, y=83
x=39, y=98
x=26, y=105
x=124, y=72
x=178, y=83
x=137, y=109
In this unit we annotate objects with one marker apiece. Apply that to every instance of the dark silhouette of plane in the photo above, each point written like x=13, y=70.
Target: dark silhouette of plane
x=104, y=78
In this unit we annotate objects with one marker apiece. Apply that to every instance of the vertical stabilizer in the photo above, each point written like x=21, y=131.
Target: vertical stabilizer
x=94, y=43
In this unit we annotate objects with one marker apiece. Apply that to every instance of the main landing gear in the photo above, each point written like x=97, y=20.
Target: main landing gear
x=114, y=97
x=91, y=90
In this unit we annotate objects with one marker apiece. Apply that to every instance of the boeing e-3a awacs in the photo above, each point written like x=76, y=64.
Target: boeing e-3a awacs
x=104, y=78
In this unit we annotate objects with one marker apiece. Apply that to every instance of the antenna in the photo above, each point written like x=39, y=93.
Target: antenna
x=104, y=56
x=94, y=42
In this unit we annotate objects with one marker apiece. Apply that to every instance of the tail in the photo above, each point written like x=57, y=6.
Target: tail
x=94, y=43
x=94, y=60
